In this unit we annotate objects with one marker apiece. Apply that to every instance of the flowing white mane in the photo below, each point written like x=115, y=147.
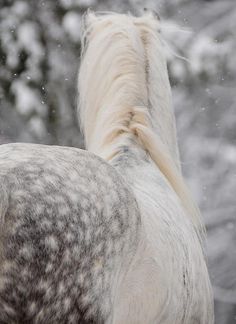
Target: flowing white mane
x=125, y=94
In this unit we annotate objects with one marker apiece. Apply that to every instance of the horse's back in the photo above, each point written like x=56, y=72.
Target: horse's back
x=67, y=222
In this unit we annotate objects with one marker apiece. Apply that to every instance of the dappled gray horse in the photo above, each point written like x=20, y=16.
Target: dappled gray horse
x=111, y=235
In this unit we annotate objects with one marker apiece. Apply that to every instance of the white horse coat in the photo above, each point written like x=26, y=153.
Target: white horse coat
x=114, y=240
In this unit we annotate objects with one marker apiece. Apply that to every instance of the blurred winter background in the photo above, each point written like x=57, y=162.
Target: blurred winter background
x=39, y=57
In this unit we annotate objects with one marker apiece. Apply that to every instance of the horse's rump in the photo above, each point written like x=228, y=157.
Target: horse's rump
x=70, y=221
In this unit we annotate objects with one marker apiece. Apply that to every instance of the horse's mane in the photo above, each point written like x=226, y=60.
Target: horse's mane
x=118, y=98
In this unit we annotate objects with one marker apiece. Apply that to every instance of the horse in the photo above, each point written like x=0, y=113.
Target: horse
x=109, y=234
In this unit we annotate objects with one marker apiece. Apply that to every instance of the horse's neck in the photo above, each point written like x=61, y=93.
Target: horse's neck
x=165, y=128
x=125, y=99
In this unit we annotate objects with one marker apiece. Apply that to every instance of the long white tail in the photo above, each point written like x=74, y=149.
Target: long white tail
x=118, y=99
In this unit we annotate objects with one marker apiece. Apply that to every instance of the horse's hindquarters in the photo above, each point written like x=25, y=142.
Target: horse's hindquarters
x=68, y=227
